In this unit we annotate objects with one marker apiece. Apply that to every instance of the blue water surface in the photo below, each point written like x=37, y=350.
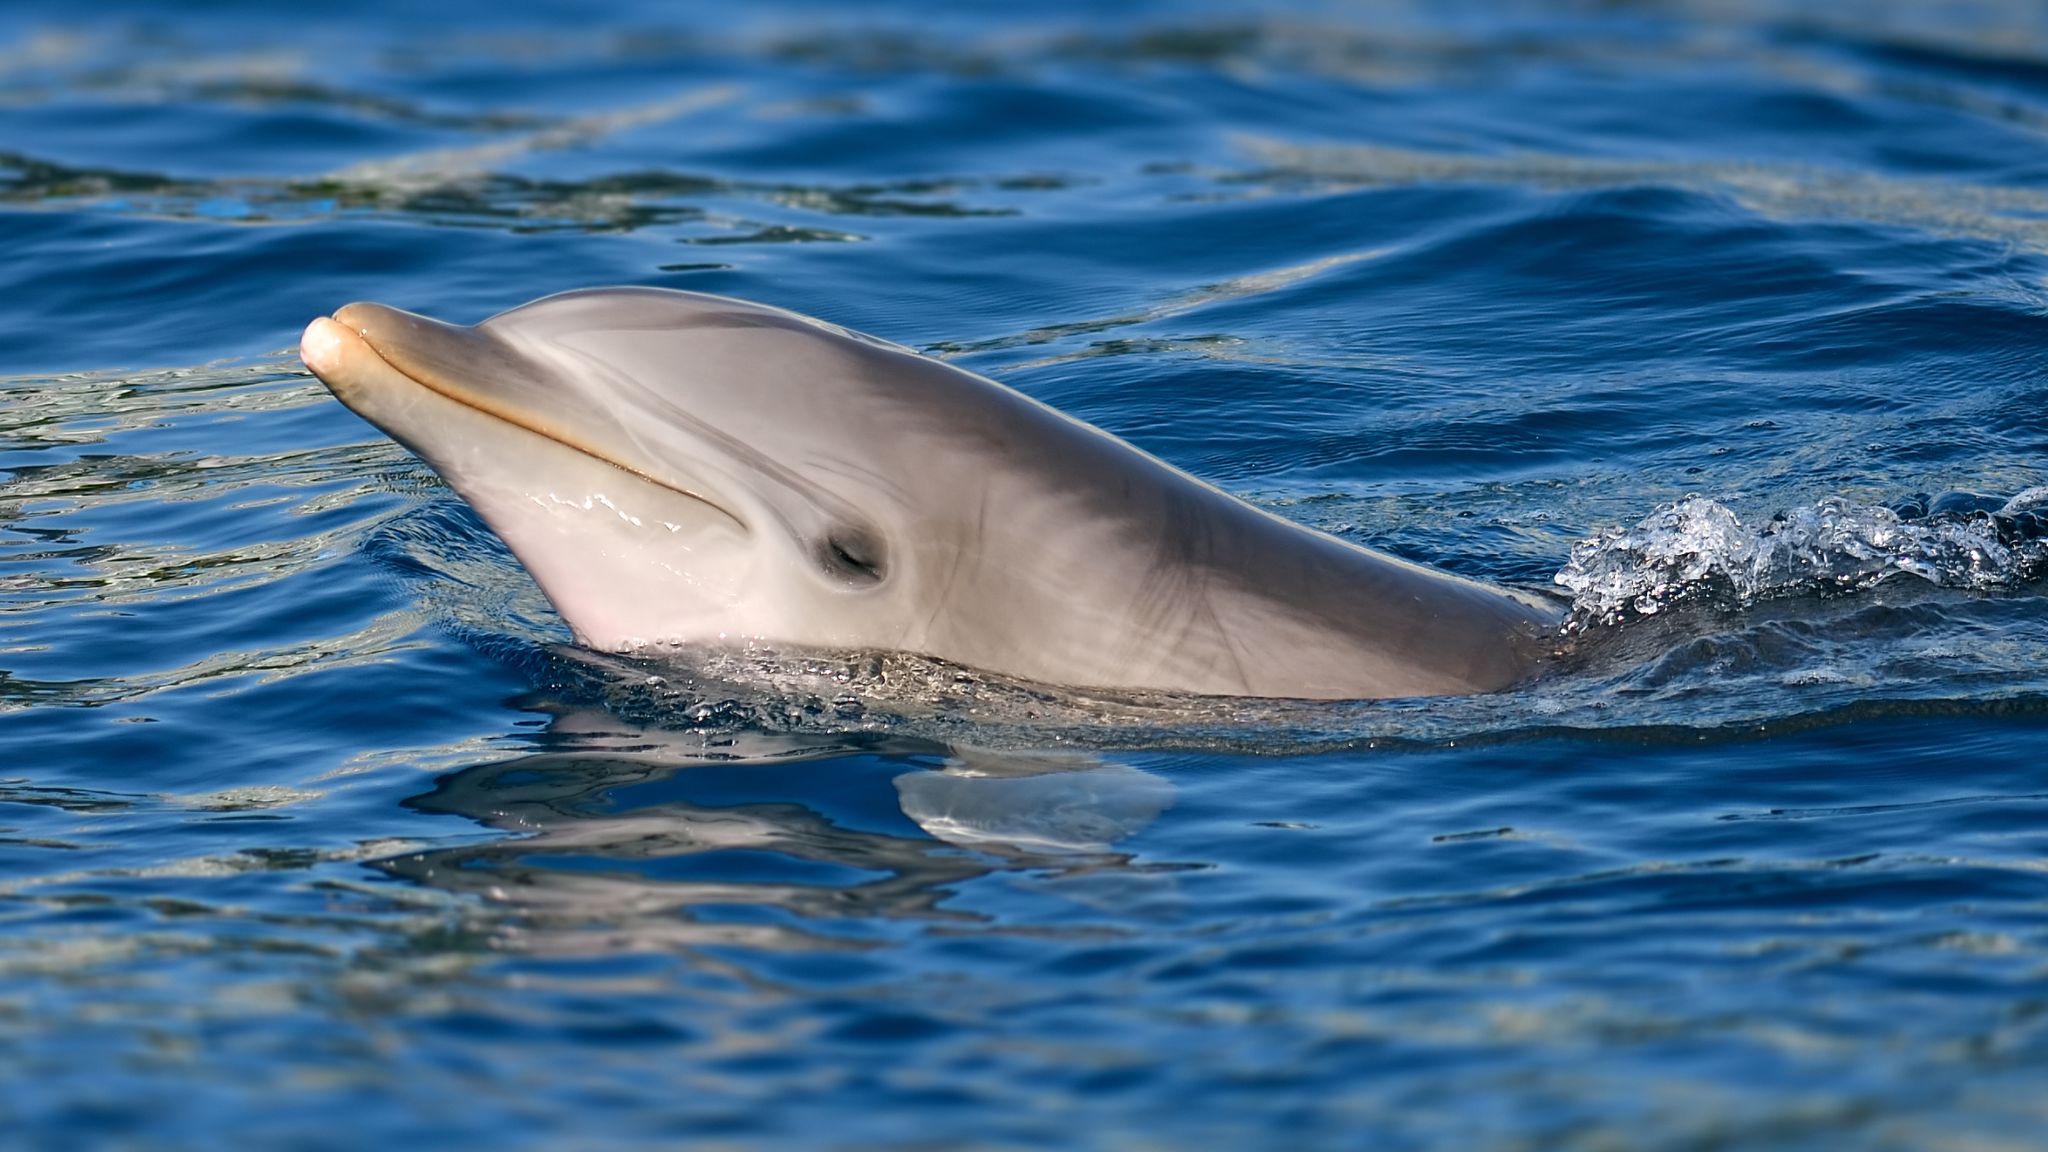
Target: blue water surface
x=317, y=832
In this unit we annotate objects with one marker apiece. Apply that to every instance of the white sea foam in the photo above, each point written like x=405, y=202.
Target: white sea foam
x=1698, y=549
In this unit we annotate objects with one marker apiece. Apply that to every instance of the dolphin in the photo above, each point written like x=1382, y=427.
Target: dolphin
x=679, y=469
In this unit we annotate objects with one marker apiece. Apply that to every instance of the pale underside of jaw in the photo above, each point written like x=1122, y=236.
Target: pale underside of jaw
x=628, y=562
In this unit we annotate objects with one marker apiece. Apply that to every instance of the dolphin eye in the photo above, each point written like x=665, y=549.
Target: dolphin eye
x=853, y=555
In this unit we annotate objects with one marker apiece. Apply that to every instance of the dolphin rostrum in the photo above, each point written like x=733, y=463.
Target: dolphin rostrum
x=683, y=469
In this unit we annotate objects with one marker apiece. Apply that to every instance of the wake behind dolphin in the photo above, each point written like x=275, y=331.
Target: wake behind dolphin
x=677, y=468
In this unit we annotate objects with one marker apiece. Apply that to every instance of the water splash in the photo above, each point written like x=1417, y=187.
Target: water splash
x=1699, y=550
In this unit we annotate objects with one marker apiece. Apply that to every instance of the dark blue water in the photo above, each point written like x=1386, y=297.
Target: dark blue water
x=315, y=832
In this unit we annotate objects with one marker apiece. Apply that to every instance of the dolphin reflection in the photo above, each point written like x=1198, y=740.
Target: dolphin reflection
x=635, y=839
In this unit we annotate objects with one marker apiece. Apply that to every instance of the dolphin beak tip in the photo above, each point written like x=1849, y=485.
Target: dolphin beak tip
x=325, y=346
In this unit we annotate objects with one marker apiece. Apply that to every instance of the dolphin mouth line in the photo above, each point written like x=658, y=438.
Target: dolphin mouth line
x=509, y=415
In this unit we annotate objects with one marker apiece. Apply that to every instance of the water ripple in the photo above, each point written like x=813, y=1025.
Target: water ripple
x=316, y=831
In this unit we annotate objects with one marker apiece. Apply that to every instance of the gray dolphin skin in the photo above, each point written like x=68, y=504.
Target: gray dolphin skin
x=684, y=469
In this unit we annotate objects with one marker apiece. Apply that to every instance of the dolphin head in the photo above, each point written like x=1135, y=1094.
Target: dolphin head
x=677, y=468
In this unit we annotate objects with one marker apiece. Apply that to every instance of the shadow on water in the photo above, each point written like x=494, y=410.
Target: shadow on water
x=620, y=837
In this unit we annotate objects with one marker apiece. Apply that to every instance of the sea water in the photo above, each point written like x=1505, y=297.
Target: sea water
x=1723, y=323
